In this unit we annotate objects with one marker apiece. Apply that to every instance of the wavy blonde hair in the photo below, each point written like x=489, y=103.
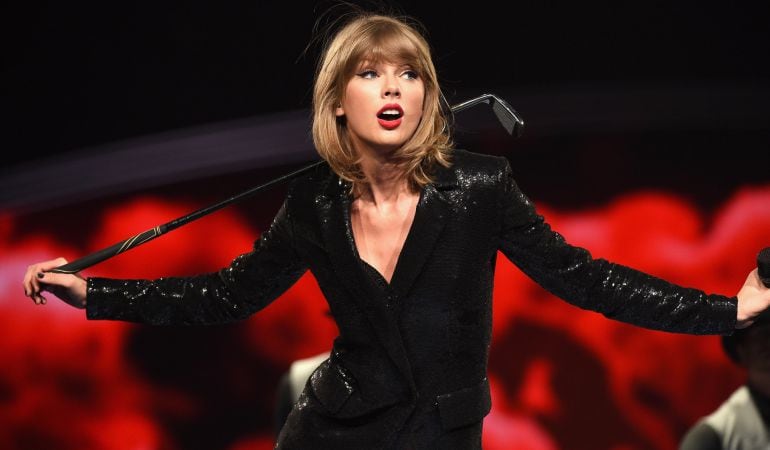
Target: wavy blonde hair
x=378, y=38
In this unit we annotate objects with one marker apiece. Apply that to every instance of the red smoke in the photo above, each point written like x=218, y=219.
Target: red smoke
x=561, y=377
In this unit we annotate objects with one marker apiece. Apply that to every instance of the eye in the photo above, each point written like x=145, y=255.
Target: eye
x=410, y=75
x=367, y=74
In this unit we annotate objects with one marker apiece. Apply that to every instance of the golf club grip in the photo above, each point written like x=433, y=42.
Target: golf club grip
x=109, y=252
x=763, y=266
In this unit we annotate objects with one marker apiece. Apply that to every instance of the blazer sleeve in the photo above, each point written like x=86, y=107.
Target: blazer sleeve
x=616, y=291
x=250, y=283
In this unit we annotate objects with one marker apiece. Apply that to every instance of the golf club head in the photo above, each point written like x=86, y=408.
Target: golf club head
x=507, y=116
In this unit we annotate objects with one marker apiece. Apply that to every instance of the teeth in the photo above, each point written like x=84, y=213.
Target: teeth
x=390, y=114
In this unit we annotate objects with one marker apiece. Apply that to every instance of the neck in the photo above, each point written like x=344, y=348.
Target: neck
x=386, y=178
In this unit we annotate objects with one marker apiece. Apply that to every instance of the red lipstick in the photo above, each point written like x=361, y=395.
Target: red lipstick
x=389, y=116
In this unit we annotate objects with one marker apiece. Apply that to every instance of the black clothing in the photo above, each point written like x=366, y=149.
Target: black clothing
x=413, y=355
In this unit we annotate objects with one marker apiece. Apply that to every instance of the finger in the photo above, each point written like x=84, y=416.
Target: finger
x=44, y=282
x=34, y=286
x=28, y=280
x=35, y=282
x=45, y=266
x=31, y=284
x=67, y=287
x=52, y=264
x=48, y=280
x=37, y=298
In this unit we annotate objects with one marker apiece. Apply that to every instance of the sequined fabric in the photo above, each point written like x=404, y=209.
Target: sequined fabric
x=616, y=291
x=249, y=284
x=409, y=366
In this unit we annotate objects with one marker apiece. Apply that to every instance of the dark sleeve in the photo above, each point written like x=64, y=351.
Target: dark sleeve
x=616, y=291
x=701, y=437
x=250, y=283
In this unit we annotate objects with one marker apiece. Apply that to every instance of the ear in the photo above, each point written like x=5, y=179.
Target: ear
x=339, y=111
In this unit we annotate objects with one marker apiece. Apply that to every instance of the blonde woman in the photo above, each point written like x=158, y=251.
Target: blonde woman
x=401, y=232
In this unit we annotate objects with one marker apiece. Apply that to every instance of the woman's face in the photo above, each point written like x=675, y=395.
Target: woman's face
x=382, y=106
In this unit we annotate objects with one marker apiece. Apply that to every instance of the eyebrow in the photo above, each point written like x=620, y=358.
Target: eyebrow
x=368, y=63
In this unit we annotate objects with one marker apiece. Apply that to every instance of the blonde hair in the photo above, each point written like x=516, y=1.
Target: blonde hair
x=378, y=38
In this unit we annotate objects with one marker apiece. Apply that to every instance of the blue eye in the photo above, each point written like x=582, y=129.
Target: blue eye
x=411, y=75
x=368, y=74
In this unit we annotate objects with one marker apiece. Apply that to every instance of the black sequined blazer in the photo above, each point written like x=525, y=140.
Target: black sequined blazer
x=409, y=366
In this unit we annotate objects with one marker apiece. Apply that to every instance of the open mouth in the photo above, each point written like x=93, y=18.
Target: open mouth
x=390, y=116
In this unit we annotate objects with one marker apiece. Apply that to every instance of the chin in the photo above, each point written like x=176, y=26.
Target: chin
x=397, y=139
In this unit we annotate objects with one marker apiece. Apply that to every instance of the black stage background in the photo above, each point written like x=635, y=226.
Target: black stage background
x=78, y=74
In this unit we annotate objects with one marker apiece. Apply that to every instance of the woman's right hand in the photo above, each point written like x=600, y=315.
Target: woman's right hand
x=71, y=288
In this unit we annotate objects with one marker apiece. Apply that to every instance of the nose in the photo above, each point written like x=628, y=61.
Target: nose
x=391, y=88
x=392, y=92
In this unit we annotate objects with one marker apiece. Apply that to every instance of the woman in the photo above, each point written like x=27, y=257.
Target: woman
x=401, y=233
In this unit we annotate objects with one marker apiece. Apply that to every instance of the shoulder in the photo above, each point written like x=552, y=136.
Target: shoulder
x=701, y=437
x=316, y=179
x=471, y=169
x=313, y=173
x=313, y=186
x=479, y=162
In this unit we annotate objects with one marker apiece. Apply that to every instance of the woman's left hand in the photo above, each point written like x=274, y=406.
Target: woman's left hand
x=753, y=299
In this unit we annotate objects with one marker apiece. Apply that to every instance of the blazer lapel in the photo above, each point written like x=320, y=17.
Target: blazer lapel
x=429, y=220
x=334, y=212
x=433, y=210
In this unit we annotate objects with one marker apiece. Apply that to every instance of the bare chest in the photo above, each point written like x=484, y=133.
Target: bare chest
x=380, y=234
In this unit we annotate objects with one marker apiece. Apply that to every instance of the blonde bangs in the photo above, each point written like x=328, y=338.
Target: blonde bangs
x=386, y=45
x=375, y=39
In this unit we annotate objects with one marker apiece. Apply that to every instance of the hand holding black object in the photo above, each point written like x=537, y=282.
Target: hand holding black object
x=754, y=296
x=71, y=288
